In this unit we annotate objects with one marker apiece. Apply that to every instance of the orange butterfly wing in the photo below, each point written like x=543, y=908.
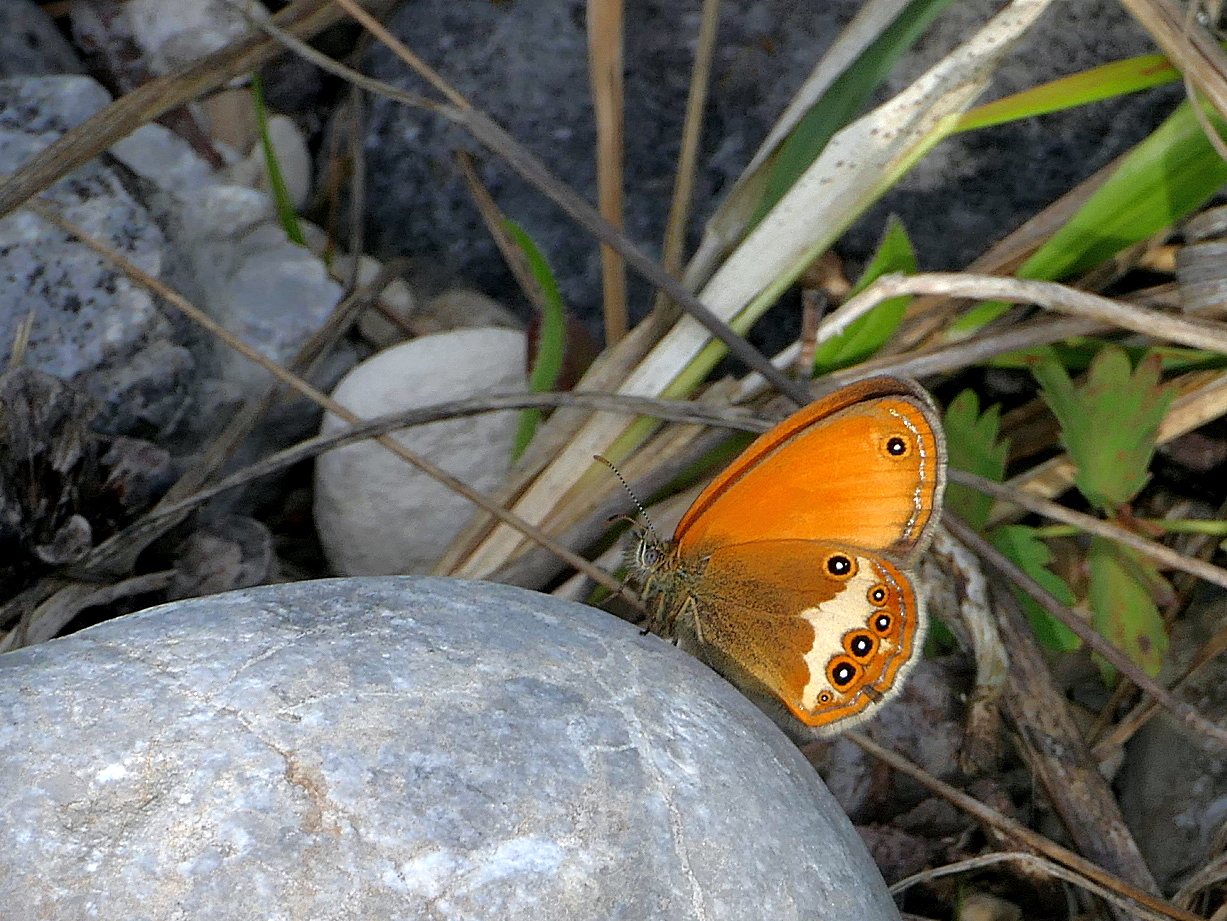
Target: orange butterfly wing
x=789, y=568
x=861, y=467
x=830, y=643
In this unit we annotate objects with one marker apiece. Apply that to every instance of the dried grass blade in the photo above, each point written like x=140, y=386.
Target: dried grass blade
x=303, y=18
x=728, y=224
x=858, y=164
x=1193, y=332
x=1019, y=832
x=1187, y=45
x=692, y=126
x=605, y=31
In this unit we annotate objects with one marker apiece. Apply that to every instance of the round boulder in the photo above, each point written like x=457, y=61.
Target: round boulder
x=403, y=748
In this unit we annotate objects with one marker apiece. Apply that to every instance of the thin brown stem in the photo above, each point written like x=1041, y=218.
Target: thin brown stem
x=1080, y=628
x=533, y=170
x=1164, y=556
x=1007, y=826
x=605, y=38
x=197, y=316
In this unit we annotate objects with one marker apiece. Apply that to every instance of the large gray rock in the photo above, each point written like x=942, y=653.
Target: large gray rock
x=403, y=748
x=158, y=203
x=91, y=323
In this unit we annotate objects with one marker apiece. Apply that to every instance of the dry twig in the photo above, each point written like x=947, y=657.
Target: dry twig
x=1020, y=833
x=197, y=316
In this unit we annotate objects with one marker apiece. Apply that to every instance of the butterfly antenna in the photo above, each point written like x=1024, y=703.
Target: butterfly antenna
x=630, y=492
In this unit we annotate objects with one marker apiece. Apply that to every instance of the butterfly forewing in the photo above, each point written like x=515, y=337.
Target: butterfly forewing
x=865, y=472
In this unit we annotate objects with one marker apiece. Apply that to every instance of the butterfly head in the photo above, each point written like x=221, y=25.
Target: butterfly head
x=664, y=579
x=648, y=560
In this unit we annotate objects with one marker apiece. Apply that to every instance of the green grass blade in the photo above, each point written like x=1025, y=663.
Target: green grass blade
x=551, y=338
x=866, y=335
x=1163, y=179
x=281, y=197
x=1095, y=85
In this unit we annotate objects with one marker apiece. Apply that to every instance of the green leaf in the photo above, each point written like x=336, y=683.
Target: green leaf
x=971, y=438
x=1108, y=423
x=276, y=182
x=1167, y=176
x=1095, y=85
x=1122, y=603
x=1163, y=179
x=868, y=334
x=847, y=96
x=1021, y=545
x=551, y=339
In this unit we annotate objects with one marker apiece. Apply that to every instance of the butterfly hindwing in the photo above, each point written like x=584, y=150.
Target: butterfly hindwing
x=855, y=616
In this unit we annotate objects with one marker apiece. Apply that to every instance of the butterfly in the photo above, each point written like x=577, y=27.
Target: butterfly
x=790, y=572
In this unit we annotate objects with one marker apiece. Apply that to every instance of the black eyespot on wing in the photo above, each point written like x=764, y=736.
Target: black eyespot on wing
x=897, y=446
x=883, y=622
x=842, y=673
x=878, y=595
x=841, y=566
x=860, y=645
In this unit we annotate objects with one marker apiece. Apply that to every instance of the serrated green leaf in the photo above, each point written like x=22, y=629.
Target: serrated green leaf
x=971, y=439
x=1109, y=423
x=551, y=339
x=865, y=336
x=1021, y=545
x=1122, y=605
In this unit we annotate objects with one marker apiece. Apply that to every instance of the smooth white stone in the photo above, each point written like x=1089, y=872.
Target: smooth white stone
x=376, y=514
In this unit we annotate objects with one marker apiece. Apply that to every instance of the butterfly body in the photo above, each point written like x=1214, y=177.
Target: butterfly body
x=789, y=573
